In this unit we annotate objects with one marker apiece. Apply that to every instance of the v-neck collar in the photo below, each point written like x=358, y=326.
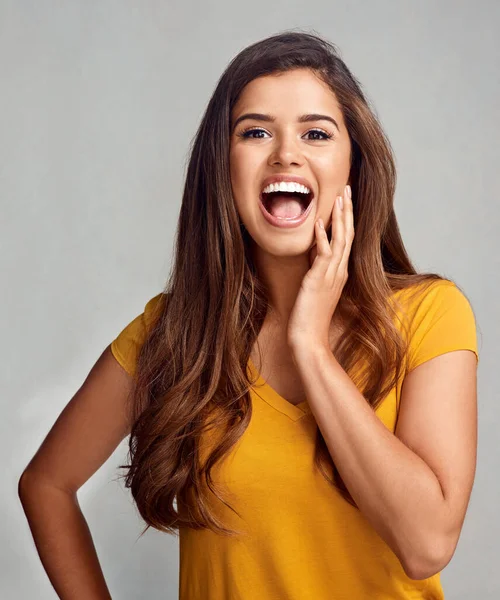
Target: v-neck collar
x=271, y=396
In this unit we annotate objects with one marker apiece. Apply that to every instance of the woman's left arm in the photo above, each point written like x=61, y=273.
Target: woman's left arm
x=413, y=485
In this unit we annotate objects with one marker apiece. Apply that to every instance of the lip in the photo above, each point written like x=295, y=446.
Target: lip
x=283, y=222
x=280, y=222
x=286, y=177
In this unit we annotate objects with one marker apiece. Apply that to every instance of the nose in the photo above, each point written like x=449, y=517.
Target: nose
x=286, y=152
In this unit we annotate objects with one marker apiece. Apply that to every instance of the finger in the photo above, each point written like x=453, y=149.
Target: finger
x=337, y=244
x=322, y=239
x=345, y=212
x=349, y=227
x=349, y=216
x=345, y=199
x=323, y=252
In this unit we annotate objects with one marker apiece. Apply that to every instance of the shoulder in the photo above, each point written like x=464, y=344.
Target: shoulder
x=127, y=344
x=154, y=308
x=418, y=300
x=436, y=317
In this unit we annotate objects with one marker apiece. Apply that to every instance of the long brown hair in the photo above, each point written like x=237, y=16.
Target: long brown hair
x=191, y=370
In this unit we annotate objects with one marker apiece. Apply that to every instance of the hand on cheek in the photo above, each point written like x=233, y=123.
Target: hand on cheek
x=322, y=285
x=314, y=250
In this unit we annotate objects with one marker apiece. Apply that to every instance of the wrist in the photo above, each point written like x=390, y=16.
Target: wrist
x=305, y=349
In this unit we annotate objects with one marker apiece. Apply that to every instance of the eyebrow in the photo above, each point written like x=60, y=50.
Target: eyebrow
x=270, y=119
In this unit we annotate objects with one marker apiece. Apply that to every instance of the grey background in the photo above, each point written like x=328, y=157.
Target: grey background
x=98, y=104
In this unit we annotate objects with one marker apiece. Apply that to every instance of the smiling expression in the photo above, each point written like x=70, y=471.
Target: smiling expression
x=287, y=124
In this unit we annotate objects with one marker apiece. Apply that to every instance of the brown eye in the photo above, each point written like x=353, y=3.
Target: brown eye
x=247, y=133
x=327, y=136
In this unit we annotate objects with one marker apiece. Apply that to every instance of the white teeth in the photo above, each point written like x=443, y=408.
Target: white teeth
x=286, y=186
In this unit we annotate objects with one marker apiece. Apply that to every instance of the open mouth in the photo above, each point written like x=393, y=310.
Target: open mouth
x=286, y=205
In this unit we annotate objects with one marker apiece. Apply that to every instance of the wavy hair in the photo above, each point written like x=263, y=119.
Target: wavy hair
x=191, y=373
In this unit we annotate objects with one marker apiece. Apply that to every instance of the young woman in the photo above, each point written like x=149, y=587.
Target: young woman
x=301, y=403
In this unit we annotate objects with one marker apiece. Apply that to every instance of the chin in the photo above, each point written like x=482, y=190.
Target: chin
x=283, y=248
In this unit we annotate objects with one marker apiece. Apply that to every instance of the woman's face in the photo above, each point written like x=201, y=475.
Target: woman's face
x=281, y=144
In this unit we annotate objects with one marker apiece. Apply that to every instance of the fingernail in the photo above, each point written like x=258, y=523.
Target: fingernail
x=321, y=224
x=349, y=191
x=340, y=201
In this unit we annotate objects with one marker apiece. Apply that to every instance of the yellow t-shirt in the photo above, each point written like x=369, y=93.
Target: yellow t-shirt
x=301, y=540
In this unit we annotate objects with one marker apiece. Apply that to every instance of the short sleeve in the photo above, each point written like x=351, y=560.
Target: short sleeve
x=126, y=346
x=443, y=321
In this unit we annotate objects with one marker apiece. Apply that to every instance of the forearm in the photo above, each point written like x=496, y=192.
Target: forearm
x=64, y=543
x=393, y=487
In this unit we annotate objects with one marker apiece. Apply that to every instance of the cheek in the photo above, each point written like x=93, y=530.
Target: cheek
x=334, y=165
x=239, y=183
x=245, y=168
x=237, y=163
x=333, y=168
